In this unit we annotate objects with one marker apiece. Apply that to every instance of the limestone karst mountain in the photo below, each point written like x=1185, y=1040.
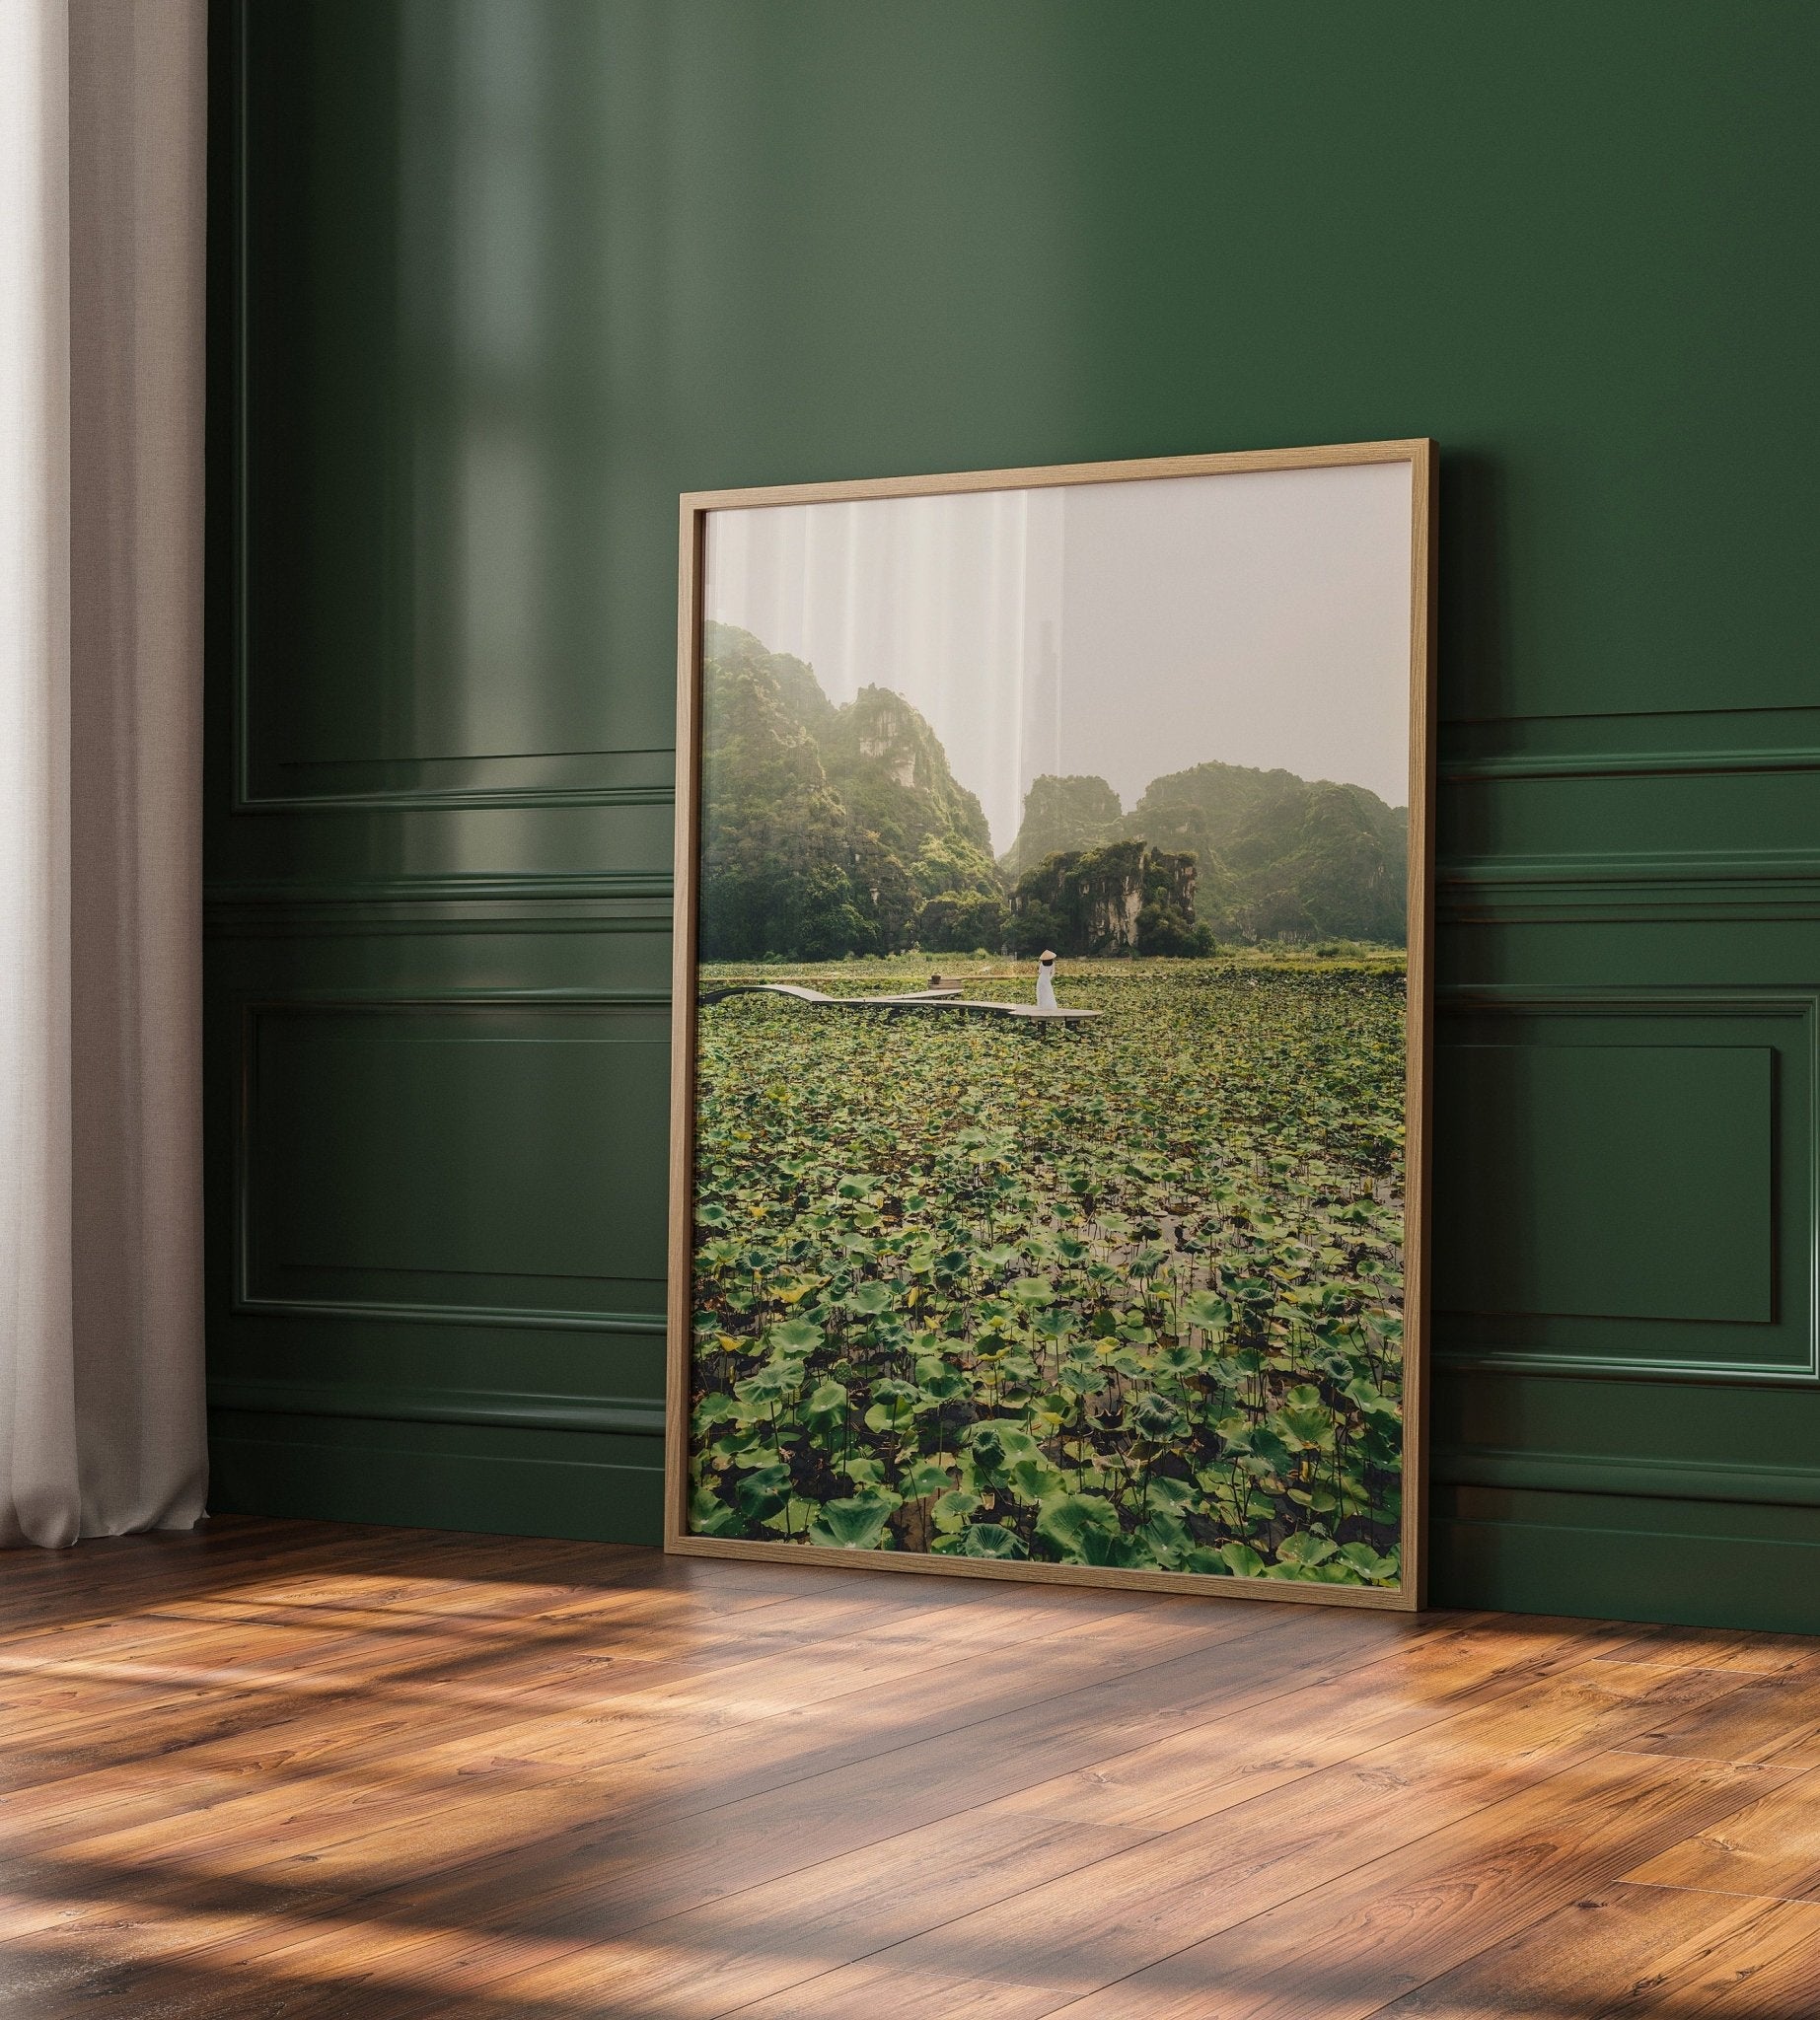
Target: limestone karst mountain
x=1125, y=897
x=1277, y=856
x=1284, y=856
x=829, y=829
x=1059, y=815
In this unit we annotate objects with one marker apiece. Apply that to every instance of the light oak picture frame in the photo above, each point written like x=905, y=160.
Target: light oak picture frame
x=696, y=512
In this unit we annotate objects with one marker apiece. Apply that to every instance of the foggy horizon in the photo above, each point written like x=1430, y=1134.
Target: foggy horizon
x=1257, y=618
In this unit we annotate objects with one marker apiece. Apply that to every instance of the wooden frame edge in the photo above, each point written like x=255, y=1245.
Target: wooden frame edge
x=1022, y=1571
x=1420, y=454
x=680, y=1258
x=1417, y=1105
x=1414, y=448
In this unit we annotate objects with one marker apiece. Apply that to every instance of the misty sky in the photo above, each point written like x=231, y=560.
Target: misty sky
x=1124, y=629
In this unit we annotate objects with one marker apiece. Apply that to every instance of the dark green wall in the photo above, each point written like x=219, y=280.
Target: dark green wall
x=495, y=279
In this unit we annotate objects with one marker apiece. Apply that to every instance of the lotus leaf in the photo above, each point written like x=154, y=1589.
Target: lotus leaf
x=984, y=1539
x=913, y=1234
x=1066, y=1520
x=853, y=1523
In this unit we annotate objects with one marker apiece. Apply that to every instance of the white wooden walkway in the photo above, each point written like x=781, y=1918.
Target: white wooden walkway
x=916, y=999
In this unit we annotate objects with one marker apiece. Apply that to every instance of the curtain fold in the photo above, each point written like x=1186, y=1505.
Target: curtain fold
x=101, y=128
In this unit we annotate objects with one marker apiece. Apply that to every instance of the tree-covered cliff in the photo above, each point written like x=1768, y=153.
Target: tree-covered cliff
x=1125, y=898
x=833, y=830
x=829, y=831
x=1282, y=856
x=1278, y=856
x=1061, y=814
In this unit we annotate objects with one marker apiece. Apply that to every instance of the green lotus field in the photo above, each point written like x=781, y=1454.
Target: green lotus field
x=1129, y=1293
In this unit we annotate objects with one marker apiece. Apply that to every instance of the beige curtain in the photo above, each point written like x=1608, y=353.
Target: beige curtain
x=101, y=577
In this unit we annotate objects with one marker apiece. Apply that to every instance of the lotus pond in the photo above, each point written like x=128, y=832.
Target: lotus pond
x=1127, y=1294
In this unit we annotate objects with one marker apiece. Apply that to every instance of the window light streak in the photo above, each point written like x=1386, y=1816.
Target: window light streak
x=288, y=1948
x=425, y=1863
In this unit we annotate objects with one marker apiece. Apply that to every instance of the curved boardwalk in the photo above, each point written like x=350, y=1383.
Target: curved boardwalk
x=917, y=999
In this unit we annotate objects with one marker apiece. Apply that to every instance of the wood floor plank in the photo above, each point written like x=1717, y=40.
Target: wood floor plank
x=160, y=1660
x=1771, y=1849
x=96, y=1583
x=870, y=1992
x=1351, y=1945
x=892, y=1784
x=766, y=1940
x=1196, y=1881
x=814, y=1919
x=614, y=1875
x=1718, y=1648
x=1627, y=1952
x=769, y=1673
x=277, y=1772
x=550, y=1844
x=1770, y=1971
x=435, y=1667
x=1771, y=1717
x=522, y=1849
x=312, y=1745
x=1247, y=1749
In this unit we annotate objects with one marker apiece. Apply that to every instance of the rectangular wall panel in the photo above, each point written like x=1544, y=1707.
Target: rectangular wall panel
x=1628, y=1182
x=450, y=1158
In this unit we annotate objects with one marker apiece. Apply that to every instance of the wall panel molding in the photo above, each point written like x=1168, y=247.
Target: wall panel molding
x=1705, y=816
x=280, y=786
x=407, y=1286
x=446, y=887
x=1617, y=888
x=513, y=1409
x=401, y=1311
x=1628, y=1556
x=1584, y=1473
x=1642, y=1348
x=1646, y=742
x=494, y=1476
x=492, y=901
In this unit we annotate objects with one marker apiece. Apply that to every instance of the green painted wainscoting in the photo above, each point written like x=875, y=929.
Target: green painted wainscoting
x=494, y=279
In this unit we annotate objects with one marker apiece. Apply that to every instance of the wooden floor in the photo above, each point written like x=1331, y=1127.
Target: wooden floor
x=279, y=1768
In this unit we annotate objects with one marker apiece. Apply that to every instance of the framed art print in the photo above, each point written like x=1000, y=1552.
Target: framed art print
x=1053, y=864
